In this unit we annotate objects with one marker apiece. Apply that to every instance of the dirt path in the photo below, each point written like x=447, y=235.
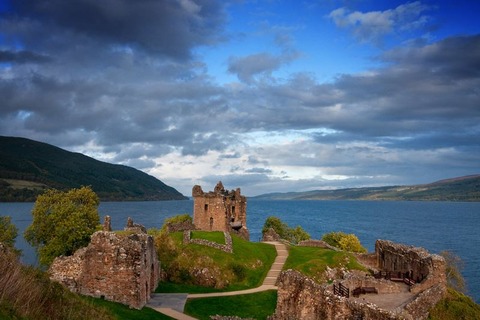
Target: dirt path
x=173, y=304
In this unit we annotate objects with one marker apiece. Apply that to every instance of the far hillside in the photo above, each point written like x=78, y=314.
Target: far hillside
x=28, y=167
x=456, y=189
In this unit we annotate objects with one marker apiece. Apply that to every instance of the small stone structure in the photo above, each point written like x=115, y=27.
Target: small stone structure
x=220, y=210
x=300, y=297
x=117, y=266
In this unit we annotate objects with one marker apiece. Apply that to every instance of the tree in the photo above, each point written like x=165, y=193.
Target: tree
x=62, y=222
x=8, y=231
x=343, y=241
x=284, y=231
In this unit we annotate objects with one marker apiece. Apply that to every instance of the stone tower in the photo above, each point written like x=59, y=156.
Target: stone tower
x=220, y=210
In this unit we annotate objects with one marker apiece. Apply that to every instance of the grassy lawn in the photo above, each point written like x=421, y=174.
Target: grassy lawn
x=215, y=236
x=123, y=312
x=312, y=261
x=255, y=305
x=245, y=268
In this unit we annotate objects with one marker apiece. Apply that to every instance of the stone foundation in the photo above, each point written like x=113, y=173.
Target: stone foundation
x=120, y=267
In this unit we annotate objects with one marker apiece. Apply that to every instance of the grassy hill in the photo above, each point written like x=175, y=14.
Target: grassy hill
x=457, y=189
x=28, y=167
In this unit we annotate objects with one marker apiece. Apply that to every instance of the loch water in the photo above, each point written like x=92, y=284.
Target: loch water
x=435, y=226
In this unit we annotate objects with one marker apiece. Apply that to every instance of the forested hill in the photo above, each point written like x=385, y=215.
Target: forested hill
x=29, y=167
x=457, y=189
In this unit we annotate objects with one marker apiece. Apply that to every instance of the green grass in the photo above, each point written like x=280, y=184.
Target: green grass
x=214, y=236
x=245, y=268
x=313, y=261
x=123, y=312
x=256, y=305
x=455, y=306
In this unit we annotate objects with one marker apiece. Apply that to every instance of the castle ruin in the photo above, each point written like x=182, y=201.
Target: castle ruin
x=412, y=282
x=220, y=210
x=117, y=266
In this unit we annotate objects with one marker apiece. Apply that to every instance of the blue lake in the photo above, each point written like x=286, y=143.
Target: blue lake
x=435, y=226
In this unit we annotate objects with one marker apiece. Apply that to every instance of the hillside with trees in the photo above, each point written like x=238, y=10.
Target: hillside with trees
x=28, y=168
x=456, y=189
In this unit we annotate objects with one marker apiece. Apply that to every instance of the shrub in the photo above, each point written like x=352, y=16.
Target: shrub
x=293, y=235
x=343, y=241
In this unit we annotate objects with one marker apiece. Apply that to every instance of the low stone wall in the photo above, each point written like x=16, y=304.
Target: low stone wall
x=420, y=307
x=227, y=247
x=317, y=243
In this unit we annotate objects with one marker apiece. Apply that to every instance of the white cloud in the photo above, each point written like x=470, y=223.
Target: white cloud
x=374, y=25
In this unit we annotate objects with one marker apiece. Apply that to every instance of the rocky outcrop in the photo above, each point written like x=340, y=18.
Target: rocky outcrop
x=117, y=266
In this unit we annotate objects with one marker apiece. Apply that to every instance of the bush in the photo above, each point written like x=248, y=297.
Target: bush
x=293, y=235
x=343, y=241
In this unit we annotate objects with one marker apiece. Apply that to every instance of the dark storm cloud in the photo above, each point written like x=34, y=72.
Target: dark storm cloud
x=410, y=96
x=22, y=57
x=119, y=77
x=169, y=27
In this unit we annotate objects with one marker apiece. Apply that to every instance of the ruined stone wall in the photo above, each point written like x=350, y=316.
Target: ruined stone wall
x=417, y=263
x=299, y=297
x=120, y=267
x=220, y=210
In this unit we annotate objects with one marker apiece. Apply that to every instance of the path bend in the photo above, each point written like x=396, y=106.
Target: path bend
x=269, y=283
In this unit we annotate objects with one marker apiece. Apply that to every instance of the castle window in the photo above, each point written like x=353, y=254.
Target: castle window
x=206, y=208
x=233, y=210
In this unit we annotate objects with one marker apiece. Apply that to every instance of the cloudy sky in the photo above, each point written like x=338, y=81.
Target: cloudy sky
x=269, y=96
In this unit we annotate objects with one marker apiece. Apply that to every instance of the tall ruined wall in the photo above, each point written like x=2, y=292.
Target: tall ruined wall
x=118, y=267
x=220, y=210
x=417, y=263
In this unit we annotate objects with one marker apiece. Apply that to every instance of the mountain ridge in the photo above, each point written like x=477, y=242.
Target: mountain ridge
x=28, y=167
x=465, y=188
